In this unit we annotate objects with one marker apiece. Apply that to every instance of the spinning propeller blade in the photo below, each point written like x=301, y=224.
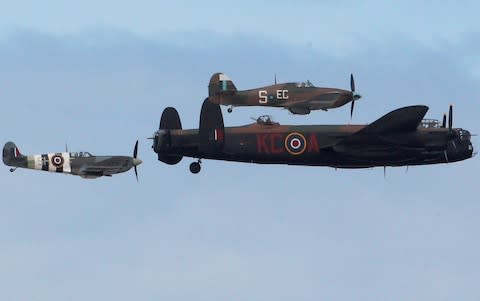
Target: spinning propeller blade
x=451, y=134
x=450, y=117
x=352, y=83
x=351, y=109
x=444, y=122
x=352, y=88
x=135, y=151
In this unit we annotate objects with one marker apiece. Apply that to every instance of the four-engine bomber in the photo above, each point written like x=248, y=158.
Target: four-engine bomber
x=400, y=138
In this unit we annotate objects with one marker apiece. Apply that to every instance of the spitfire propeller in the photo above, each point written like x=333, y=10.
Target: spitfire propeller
x=135, y=160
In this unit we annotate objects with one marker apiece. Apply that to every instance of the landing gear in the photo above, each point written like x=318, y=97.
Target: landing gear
x=230, y=109
x=195, y=167
x=13, y=169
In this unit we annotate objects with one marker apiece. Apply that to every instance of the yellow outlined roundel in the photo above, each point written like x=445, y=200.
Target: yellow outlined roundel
x=295, y=143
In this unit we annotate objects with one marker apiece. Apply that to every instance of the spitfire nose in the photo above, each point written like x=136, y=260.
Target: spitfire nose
x=136, y=161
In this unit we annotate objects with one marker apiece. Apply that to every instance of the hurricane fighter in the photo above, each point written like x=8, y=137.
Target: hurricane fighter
x=81, y=164
x=298, y=98
x=400, y=138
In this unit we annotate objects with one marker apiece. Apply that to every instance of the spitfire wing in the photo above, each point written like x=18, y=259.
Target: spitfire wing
x=98, y=171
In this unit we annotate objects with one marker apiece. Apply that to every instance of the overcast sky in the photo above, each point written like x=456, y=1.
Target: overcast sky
x=98, y=75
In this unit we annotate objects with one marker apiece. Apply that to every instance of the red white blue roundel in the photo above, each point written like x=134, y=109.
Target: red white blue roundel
x=57, y=160
x=295, y=143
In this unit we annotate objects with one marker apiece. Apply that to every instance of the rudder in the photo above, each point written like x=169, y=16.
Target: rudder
x=219, y=85
x=10, y=153
x=170, y=120
x=211, y=129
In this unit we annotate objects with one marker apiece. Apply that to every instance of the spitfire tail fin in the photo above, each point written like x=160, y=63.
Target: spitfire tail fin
x=11, y=153
x=170, y=120
x=219, y=85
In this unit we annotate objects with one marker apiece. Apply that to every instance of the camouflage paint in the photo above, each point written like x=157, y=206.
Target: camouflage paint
x=296, y=98
x=69, y=163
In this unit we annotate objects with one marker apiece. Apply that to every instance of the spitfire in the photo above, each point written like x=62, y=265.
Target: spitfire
x=81, y=164
x=400, y=138
x=299, y=98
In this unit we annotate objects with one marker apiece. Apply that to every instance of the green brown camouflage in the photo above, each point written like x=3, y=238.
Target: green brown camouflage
x=298, y=98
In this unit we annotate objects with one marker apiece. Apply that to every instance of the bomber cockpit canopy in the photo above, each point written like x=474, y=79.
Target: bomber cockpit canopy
x=80, y=154
x=430, y=123
x=306, y=84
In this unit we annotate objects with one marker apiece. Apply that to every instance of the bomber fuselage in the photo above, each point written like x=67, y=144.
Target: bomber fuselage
x=320, y=145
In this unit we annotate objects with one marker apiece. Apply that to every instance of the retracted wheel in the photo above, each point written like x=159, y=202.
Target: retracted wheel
x=230, y=109
x=195, y=167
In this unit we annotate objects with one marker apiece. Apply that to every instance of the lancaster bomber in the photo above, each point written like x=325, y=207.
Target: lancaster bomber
x=298, y=98
x=81, y=164
x=400, y=138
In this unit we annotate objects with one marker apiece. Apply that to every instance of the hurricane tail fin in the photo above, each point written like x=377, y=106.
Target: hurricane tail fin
x=220, y=85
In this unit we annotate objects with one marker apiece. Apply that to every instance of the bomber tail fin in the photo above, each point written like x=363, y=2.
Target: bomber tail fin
x=211, y=129
x=11, y=153
x=220, y=85
x=170, y=120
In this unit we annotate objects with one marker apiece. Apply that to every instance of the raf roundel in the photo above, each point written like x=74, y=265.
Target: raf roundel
x=295, y=143
x=57, y=160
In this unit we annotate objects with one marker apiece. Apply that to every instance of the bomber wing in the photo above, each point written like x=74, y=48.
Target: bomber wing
x=399, y=121
x=404, y=119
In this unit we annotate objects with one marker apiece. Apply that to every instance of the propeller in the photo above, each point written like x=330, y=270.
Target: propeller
x=354, y=95
x=135, y=160
x=352, y=82
x=450, y=117
x=450, y=135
